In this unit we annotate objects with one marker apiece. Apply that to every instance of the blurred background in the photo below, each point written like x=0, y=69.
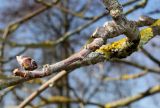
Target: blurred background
x=50, y=32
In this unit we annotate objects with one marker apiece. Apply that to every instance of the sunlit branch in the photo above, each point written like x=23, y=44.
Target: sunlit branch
x=125, y=77
x=129, y=29
x=128, y=100
x=62, y=99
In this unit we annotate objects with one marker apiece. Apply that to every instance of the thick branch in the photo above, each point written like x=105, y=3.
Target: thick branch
x=90, y=59
x=99, y=55
x=116, y=11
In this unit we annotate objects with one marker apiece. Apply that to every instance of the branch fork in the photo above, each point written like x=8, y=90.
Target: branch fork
x=119, y=25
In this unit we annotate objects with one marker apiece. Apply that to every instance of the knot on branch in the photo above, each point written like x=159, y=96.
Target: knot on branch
x=115, y=13
x=46, y=69
x=18, y=72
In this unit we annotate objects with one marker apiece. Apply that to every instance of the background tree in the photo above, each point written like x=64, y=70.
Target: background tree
x=51, y=31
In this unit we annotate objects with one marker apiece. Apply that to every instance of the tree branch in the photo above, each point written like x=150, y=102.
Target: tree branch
x=128, y=100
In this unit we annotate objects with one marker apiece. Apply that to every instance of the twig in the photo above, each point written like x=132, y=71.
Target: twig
x=128, y=100
x=129, y=2
x=125, y=77
x=13, y=26
x=6, y=91
x=136, y=65
x=13, y=57
x=150, y=56
x=92, y=58
x=42, y=88
x=100, y=35
x=141, y=4
x=52, y=44
x=62, y=99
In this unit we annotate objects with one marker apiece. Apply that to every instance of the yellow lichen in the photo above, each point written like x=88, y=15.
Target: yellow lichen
x=107, y=106
x=146, y=34
x=111, y=48
x=156, y=23
x=14, y=27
